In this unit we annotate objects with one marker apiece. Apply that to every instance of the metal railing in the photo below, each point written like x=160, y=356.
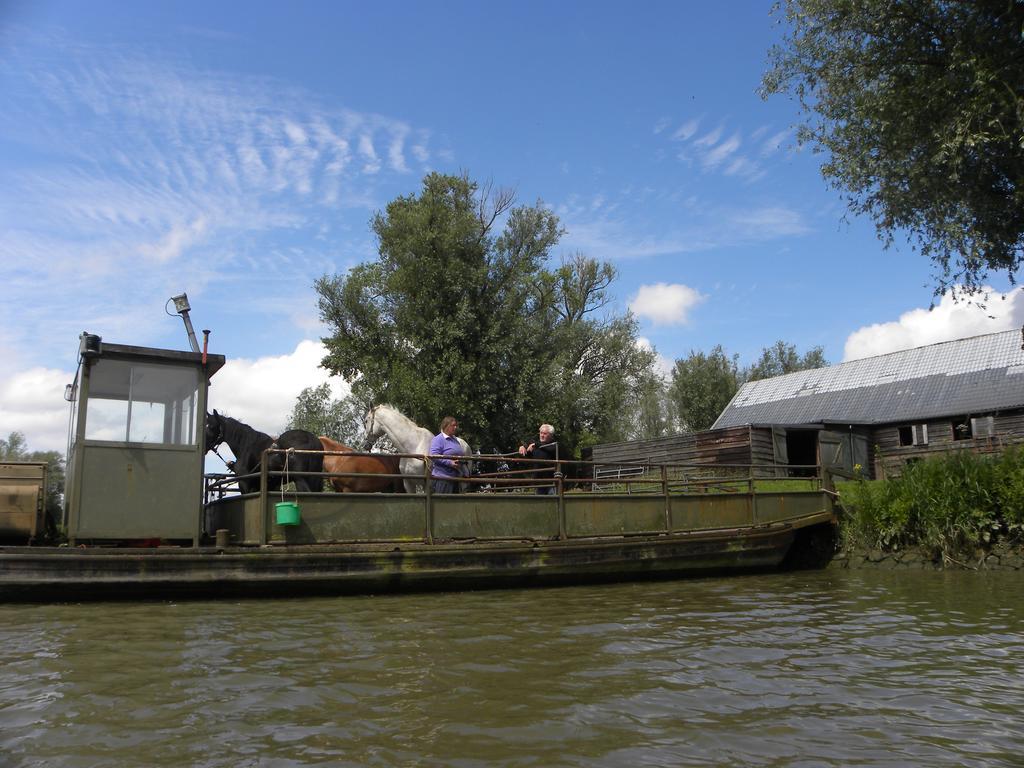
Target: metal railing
x=562, y=476
x=601, y=488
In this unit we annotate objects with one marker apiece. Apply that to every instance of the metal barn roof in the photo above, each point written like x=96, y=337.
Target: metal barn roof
x=967, y=376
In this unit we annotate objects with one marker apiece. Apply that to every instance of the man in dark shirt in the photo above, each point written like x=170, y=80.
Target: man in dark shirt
x=546, y=449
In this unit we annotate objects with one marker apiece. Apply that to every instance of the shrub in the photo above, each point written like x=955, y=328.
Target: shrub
x=948, y=504
x=1010, y=490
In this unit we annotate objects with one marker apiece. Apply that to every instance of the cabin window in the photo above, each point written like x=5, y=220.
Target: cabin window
x=913, y=434
x=983, y=426
x=962, y=429
x=138, y=403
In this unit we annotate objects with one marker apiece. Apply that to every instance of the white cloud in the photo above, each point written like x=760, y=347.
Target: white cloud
x=295, y=132
x=666, y=304
x=741, y=166
x=32, y=402
x=594, y=228
x=140, y=170
x=767, y=222
x=686, y=130
x=181, y=236
x=371, y=162
x=717, y=155
x=710, y=152
x=396, y=152
x=710, y=138
x=262, y=392
x=947, y=321
x=609, y=239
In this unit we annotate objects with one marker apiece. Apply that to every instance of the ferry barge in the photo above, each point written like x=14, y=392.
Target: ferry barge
x=144, y=522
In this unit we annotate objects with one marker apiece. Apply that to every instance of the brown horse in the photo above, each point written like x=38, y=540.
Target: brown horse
x=373, y=470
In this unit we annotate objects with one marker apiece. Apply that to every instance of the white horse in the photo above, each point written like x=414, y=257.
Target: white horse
x=407, y=437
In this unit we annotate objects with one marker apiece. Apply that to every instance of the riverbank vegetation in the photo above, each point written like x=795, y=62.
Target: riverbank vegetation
x=948, y=505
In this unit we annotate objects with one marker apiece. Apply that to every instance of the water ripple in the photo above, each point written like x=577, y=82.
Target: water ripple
x=810, y=669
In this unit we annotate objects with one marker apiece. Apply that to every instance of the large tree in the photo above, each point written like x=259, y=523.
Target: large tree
x=701, y=386
x=456, y=317
x=919, y=106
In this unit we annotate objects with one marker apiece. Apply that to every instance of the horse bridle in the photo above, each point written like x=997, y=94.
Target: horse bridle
x=219, y=442
x=229, y=464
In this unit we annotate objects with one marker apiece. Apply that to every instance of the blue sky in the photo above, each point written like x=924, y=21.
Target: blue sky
x=237, y=151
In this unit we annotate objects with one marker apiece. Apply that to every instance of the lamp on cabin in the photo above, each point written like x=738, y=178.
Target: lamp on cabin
x=182, y=308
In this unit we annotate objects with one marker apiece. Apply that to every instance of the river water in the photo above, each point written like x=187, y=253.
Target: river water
x=826, y=668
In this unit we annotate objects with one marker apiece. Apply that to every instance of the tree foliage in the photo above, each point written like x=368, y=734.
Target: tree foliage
x=595, y=371
x=457, y=317
x=14, y=448
x=782, y=358
x=701, y=386
x=317, y=412
x=920, y=108
x=651, y=414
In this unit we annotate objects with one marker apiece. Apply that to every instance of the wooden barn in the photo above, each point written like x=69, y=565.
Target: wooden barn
x=771, y=450
x=879, y=412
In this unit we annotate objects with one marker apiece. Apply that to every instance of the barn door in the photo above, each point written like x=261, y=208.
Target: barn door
x=833, y=450
x=780, y=452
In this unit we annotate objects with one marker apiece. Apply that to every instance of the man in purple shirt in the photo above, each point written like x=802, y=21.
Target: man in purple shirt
x=445, y=471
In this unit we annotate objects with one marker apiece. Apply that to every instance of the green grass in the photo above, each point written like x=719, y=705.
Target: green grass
x=949, y=505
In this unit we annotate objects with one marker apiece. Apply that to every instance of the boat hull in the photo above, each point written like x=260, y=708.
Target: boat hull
x=64, y=574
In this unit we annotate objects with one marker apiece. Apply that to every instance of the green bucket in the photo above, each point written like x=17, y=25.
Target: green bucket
x=287, y=513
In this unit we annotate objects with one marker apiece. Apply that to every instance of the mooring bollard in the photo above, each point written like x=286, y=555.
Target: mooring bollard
x=222, y=538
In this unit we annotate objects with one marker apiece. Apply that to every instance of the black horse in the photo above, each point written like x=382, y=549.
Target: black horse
x=249, y=444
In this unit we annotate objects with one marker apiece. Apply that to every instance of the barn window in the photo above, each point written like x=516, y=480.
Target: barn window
x=983, y=426
x=913, y=434
x=962, y=429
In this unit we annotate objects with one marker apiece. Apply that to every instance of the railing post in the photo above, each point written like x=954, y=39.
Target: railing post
x=827, y=486
x=826, y=481
x=264, y=506
x=753, y=495
x=428, y=533
x=560, y=487
x=668, y=501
